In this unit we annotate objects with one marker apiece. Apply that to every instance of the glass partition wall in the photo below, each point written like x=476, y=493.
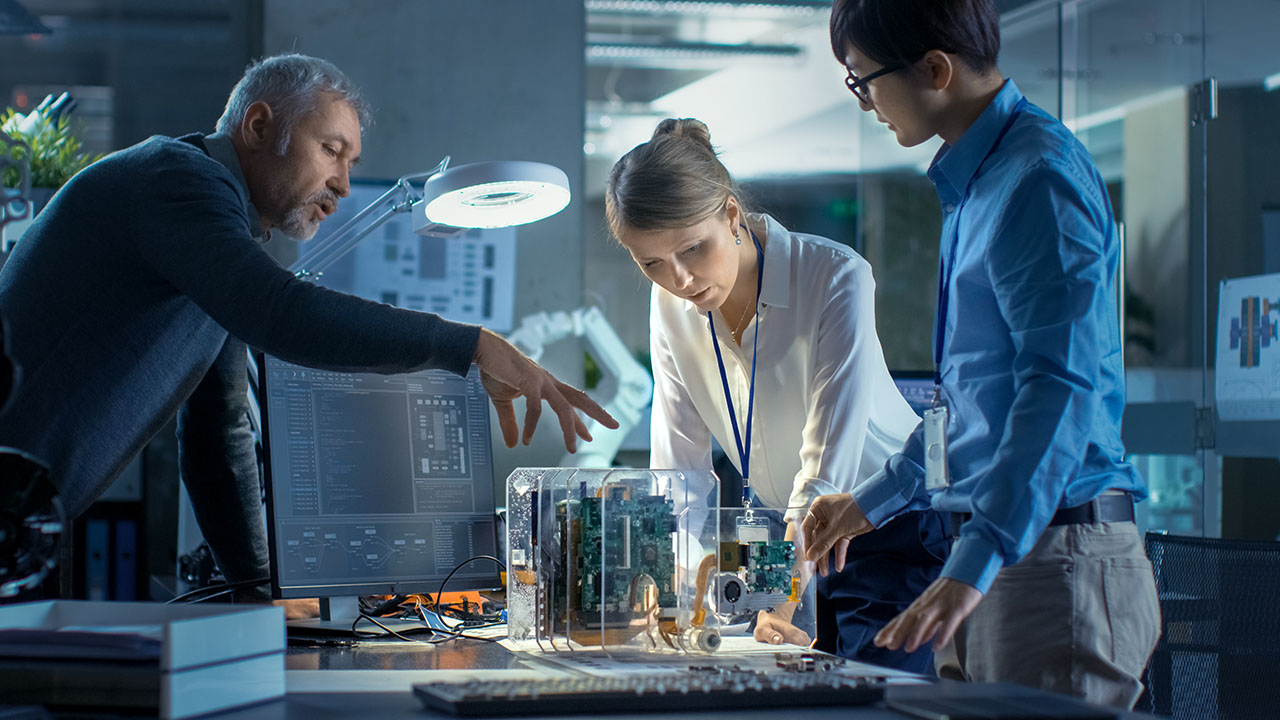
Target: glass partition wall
x=1238, y=153
x=1176, y=100
x=1132, y=76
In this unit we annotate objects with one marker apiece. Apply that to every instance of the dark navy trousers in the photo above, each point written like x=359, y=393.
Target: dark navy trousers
x=885, y=571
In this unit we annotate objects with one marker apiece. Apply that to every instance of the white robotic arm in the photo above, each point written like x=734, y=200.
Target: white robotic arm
x=631, y=385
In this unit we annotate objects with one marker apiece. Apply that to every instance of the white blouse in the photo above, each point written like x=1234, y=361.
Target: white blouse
x=827, y=414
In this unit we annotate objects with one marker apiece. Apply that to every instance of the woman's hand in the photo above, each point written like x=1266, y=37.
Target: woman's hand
x=773, y=629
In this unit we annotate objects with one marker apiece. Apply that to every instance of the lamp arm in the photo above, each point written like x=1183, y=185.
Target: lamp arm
x=439, y=168
x=313, y=264
x=401, y=198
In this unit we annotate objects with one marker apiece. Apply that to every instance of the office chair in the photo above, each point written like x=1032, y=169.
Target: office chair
x=1219, y=650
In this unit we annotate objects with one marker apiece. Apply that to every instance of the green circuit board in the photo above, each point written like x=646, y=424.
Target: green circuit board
x=609, y=554
x=769, y=566
x=764, y=567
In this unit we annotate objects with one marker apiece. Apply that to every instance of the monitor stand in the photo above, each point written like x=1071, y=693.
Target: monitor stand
x=338, y=614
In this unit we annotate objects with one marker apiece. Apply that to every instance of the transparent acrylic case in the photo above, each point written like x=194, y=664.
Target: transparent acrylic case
x=635, y=560
x=762, y=583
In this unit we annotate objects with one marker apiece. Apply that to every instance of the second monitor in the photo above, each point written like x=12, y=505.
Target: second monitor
x=376, y=484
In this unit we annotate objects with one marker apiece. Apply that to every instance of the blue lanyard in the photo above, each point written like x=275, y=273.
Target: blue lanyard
x=744, y=451
x=945, y=269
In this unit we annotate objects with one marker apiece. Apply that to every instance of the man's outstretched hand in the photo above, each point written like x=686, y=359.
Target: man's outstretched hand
x=934, y=615
x=507, y=374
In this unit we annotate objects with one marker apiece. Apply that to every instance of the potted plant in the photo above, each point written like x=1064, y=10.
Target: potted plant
x=49, y=143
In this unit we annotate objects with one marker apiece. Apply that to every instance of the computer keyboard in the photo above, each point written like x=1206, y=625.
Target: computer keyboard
x=716, y=689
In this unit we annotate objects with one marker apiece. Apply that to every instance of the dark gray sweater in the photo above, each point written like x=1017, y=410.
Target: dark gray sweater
x=121, y=295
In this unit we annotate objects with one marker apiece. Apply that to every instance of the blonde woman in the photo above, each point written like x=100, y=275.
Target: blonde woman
x=765, y=340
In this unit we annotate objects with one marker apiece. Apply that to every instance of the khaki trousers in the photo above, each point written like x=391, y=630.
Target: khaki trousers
x=1078, y=615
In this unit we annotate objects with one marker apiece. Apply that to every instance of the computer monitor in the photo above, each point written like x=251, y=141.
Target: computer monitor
x=376, y=484
x=916, y=386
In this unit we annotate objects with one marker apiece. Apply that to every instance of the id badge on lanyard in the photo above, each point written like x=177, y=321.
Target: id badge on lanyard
x=936, y=476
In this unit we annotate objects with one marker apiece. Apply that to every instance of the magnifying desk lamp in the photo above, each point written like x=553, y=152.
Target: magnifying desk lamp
x=453, y=200
x=480, y=195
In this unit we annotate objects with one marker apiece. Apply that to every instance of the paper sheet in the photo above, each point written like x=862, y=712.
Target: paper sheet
x=363, y=681
x=1247, y=369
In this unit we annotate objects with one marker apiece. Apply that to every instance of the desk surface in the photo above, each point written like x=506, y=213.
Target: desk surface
x=398, y=655
x=403, y=659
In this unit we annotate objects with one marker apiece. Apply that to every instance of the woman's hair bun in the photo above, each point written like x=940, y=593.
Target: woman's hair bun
x=673, y=181
x=688, y=128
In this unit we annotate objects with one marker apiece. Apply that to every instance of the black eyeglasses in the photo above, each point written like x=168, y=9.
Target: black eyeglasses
x=858, y=86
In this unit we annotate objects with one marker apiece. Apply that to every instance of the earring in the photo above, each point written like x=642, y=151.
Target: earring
x=737, y=237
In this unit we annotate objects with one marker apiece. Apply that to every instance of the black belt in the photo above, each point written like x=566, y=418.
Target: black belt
x=1111, y=507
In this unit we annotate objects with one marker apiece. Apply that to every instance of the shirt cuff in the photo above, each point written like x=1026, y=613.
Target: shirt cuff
x=880, y=498
x=803, y=495
x=974, y=561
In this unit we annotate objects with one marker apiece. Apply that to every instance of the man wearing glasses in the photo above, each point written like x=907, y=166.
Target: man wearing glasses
x=1047, y=584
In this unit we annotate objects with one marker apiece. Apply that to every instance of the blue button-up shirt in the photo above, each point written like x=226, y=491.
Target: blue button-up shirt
x=1031, y=364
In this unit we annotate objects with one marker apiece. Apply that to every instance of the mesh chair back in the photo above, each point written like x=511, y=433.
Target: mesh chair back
x=1219, y=652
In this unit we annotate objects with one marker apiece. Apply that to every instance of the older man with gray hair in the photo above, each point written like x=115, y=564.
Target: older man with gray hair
x=133, y=295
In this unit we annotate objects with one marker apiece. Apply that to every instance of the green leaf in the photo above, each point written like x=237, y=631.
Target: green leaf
x=54, y=150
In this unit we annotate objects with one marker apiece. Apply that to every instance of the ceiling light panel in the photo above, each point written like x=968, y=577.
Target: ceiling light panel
x=676, y=55
x=778, y=10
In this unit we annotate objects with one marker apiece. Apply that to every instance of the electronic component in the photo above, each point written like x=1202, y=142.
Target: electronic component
x=633, y=560
x=755, y=576
x=703, y=688
x=807, y=661
x=622, y=574
x=642, y=528
x=597, y=560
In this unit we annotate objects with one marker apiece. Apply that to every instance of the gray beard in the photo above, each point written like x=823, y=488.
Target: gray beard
x=298, y=223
